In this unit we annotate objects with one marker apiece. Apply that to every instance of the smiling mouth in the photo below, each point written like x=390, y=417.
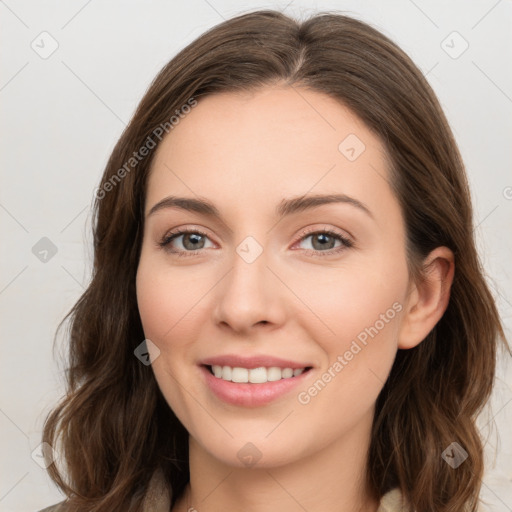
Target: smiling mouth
x=260, y=375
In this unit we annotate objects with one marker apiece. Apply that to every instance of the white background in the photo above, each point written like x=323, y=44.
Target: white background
x=62, y=115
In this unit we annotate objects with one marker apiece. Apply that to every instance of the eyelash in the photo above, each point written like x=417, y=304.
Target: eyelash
x=169, y=237
x=345, y=242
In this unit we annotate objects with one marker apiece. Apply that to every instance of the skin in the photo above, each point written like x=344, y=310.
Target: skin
x=245, y=153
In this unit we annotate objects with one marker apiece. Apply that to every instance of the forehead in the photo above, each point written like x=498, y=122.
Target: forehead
x=254, y=148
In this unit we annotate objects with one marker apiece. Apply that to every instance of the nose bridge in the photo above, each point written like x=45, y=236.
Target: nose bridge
x=248, y=296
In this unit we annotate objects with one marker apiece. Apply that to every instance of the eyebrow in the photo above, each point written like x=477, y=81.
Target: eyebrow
x=284, y=208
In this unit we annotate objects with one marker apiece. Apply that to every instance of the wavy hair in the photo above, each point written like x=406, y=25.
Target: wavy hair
x=113, y=427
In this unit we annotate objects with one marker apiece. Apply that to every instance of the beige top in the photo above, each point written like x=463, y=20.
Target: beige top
x=158, y=500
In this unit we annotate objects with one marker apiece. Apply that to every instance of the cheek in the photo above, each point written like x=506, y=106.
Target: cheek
x=346, y=301
x=165, y=304
x=166, y=309
x=152, y=301
x=355, y=322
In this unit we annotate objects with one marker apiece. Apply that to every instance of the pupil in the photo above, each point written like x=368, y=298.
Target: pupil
x=192, y=240
x=318, y=244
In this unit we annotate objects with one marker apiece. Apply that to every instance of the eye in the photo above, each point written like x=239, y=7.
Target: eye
x=188, y=241
x=325, y=242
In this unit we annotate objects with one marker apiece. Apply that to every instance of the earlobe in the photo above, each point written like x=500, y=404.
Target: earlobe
x=428, y=298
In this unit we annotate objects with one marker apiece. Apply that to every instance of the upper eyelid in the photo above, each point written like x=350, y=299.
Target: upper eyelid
x=302, y=234
x=173, y=234
x=335, y=231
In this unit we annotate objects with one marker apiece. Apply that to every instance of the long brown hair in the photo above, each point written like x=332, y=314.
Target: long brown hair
x=113, y=428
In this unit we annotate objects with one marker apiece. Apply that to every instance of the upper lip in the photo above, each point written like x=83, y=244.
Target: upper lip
x=236, y=361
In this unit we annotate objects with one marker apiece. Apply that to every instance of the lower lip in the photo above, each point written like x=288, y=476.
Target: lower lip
x=248, y=394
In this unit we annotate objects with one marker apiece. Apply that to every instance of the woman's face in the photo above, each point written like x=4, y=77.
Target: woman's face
x=255, y=287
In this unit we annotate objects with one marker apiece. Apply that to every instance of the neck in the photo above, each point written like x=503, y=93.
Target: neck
x=331, y=479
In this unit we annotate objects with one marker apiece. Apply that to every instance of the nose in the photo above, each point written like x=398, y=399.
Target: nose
x=250, y=295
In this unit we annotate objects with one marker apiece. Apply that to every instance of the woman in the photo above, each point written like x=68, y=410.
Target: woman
x=287, y=310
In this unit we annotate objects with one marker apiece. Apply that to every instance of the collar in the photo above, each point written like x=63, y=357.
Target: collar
x=158, y=499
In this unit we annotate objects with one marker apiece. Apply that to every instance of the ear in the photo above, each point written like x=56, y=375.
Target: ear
x=428, y=298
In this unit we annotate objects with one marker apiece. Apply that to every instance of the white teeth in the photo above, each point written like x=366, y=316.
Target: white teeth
x=274, y=373
x=254, y=375
x=258, y=375
x=226, y=372
x=287, y=373
x=240, y=375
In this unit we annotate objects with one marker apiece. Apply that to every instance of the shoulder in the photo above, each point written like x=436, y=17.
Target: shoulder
x=157, y=498
x=392, y=501
x=58, y=507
